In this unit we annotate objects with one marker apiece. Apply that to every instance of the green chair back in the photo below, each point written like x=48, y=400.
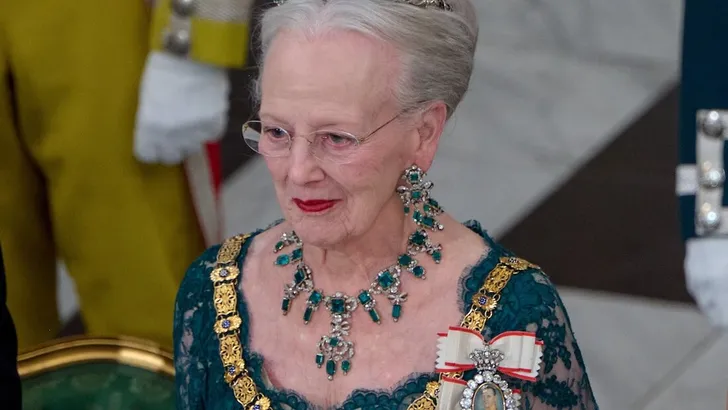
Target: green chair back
x=97, y=374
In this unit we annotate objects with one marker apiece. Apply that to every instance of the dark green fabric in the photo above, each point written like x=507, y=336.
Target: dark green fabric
x=99, y=386
x=529, y=303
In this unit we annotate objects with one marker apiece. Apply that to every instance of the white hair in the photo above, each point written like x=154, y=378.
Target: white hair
x=436, y=47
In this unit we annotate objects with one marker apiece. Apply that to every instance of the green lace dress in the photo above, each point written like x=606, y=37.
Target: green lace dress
x=529, y=302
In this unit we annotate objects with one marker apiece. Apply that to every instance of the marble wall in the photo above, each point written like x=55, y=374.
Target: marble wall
x=554, y=81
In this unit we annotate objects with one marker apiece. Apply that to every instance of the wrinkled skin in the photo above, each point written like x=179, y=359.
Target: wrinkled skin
x=342, y=81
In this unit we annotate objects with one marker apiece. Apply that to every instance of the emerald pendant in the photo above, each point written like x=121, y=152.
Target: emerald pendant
x=345, y=366
x=286, y=305
x=311, y=305
x=331, y=368
x=307, y=314
x=437, y=256
x=374, y=315
x=334, y=348
x=417, y=193
x=366, y=300
x=396, y=312
x=418, y=271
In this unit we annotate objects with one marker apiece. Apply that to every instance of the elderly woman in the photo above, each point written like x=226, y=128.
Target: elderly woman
x=367, y=295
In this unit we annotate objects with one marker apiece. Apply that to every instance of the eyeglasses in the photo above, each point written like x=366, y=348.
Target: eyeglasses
x=325, y=145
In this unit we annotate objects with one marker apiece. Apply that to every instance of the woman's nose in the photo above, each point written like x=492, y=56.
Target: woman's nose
x=303, y=166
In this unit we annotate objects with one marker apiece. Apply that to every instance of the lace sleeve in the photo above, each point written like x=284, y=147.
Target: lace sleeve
x=564, y=383
x=191, y=327
x=530, y=302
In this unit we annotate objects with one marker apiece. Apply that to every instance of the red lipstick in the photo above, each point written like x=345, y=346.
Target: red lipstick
x=314, y=205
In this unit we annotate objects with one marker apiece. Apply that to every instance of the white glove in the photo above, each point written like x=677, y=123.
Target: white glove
x=182, y=104
x=706, y=270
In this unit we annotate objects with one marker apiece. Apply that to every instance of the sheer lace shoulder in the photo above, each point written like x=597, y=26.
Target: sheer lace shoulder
x=530, y=302
x=533, y=304
x=192, y=317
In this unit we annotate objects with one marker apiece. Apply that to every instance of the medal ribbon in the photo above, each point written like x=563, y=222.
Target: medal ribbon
x=522, y=360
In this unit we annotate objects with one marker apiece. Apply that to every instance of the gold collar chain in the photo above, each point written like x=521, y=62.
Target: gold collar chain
x=228, y=322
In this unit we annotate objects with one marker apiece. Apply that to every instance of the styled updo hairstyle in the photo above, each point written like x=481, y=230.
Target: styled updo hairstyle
x=436, y=46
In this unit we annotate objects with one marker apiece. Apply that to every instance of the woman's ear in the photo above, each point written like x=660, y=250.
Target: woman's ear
x=429, y=129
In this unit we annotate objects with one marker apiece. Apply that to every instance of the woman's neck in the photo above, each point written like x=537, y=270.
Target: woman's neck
x=353, y=264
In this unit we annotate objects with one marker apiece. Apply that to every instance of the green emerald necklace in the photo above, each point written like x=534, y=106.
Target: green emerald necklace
x=334, y=350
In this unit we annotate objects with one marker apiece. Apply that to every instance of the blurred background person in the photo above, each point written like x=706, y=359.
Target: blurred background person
x=81, y=182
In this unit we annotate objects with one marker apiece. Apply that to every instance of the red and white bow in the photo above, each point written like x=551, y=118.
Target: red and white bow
x=521, y=351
